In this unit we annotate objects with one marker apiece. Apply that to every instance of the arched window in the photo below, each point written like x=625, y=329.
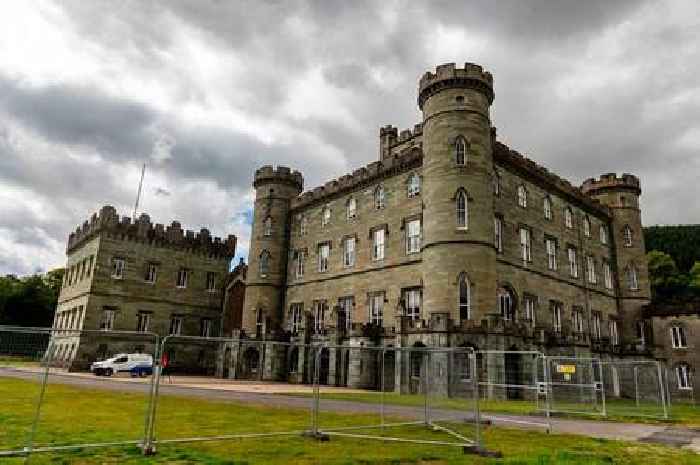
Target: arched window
x=568, y=218
x=587, y=226
x=522, y=196
x=496, y=183
x=465, y=297
x=351, y=208
x=632, y=278
x=506, y=304
x=603, y=234
x=547, y=207
x=678, y=337
x=460, y=151
x=326, y=215
x=379, y=197
x=413, y=185
x=267, y=227
x=461, y=209
x=683, y=376
x=627, y=234
x=264, y=263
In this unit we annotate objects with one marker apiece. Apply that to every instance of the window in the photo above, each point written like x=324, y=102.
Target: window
x=267, y=226
x=547, y=207
x=529, y=309
x=556, y=317
x=683, y=375
x=568, y=218
x=632, y=279
x=551, y=246
x=323, y=254
x=627, y=235
x=182, y=278
x=296, y=311
x=461, y=206
x=351, y=208
x=505, y=304
x=498, y=233
x=678, y=340
x=525, y=244
x=264, y=263
x=607, y=275
x=118, y=268
x=303, y=223
x=379, y=197
x=412, y=302
x=586, y=226
x=143, y=322
x=465, y=298
x=413, y=185
x=175, y=325
x=641, y=332
x=573, y=266
x=413, y=236
x=496, y=184
x=378, y=244
x=614, y=337
x=325, y=216
x=151, y=272
x=577, y=316
x=522, y=196
x=590, y=270
x=346, y=305
x=89, y=267
x=259, y=323
x=603, y=234
x=597, y=320
x=107, y=322
x=460, y=151
x=211, y=281
x=376, y=308
x=301, y=256
x=349, y=252
x=205, y=327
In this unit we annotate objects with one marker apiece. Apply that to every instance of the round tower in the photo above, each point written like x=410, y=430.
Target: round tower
x=621, y=195
x=269, y=248
x=458, y=170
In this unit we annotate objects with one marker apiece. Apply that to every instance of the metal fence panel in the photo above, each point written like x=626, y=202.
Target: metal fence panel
x=635, y=388
x=575, y=385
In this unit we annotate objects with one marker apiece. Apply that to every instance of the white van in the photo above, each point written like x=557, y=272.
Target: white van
x=136, y=364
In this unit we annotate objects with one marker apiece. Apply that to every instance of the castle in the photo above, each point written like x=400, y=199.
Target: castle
x=449, y=239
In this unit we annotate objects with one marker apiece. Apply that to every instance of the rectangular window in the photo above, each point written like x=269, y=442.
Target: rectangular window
x=412, y=303
x=345, y=305
x=259, y=323
x=551, y=246
x=144, y=322
x=413, y=236
x=349, y=252
x=556, y=317
x=376, y=309
x=205, y=327
x=612, y=328
x=320, y=312
x=301, y=256
x=296, y=311
x=378, y=244
x=302, y=226
x=107, y=321
x=607, y=275
x=89, y=267
x=211, y=281
x=118, y=265
x=641, y=332
x=151, y=272
x=525, y=244
x=590, y=269
x=498, y=234
x=175, y=325
x=577, y=317
x=678, y=337
x=683, y=375
x=529, y=307
x=182, y=278
x=323, y=253
x=596, y=331
x=573, y=265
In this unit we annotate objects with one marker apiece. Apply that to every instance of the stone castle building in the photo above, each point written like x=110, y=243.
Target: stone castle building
x=450, y=238
x=137, y=277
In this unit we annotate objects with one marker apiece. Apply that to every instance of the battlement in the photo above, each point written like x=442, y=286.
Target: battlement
x=448, y=76
x=611, y=181
x=388, y=166
x=157, y=235
x=280, y=175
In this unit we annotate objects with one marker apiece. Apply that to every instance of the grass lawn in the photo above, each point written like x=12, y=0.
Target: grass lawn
x=75, y=415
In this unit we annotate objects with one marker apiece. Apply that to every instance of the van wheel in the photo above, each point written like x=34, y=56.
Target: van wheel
x=98, y=372
x=108, y=372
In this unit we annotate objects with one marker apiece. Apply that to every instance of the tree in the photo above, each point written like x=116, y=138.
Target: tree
x=30, y=300
x=694, y=278
x=665, y=279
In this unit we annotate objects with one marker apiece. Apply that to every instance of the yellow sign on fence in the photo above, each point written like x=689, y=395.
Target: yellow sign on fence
x=566, y=369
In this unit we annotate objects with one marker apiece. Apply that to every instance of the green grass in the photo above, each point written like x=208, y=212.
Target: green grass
x=73, y=415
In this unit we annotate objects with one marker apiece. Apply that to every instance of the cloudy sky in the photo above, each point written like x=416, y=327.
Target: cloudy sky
x=206, y=91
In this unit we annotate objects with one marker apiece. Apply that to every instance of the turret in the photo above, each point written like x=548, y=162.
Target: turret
x=269, y=248
x=457, y=164
x=621, y=195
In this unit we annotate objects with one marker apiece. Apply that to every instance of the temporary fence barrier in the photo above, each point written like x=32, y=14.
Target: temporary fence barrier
x=635, y=388
x=575, y=385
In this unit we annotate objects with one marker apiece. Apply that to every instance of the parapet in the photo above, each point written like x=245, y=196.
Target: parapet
x=611, y=181
x=389, y=136
x=448, y=76
x=280, y=175
x=157, y=235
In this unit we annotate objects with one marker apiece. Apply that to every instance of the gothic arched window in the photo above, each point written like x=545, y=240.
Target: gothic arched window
x=267, y=226
x=465, y=297
x=264, y=263
x=547, y=207
x=461, y=209
x=460, y=151
x=627, y=233
x=632, y=278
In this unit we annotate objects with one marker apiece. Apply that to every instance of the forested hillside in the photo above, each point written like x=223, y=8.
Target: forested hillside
x=673, y=254
x=29, y=300
x=682, y=243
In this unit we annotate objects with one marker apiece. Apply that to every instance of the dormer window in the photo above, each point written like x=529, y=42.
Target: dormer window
x=460, y=150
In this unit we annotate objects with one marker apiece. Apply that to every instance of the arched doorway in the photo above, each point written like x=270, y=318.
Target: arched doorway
x=251, y=362
x=513, y=374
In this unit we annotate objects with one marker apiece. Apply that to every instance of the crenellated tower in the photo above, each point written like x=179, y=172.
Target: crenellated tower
x=455, y=103
x=269, y=248
x=621, y=195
